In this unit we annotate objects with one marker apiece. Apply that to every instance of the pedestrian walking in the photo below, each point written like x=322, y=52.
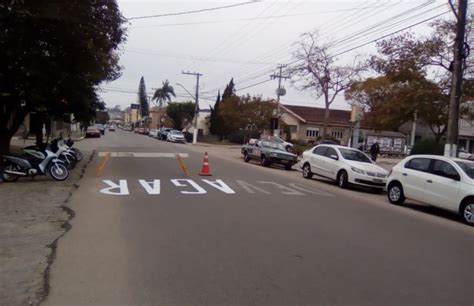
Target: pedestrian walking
x=374, y=151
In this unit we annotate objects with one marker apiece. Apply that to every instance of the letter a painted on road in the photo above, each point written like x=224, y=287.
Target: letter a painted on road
x=199, y=189
x=121, y=186
x=151, y=187
x=219, y=184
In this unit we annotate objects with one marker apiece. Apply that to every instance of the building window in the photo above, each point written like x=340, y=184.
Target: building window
x=337, y=134
x=312, y=132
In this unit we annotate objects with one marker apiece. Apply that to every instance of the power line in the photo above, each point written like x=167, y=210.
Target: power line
x=263, y=72
x=360, y=45
x=260, y=71
x=275, y=54
x=194, y=11
x=253, y=85
x=248, y=19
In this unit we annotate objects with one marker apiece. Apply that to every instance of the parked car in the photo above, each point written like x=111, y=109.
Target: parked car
x=153, y=133
x=93, y=131
x=101, y=128
x=136, y=130
x=344, y=165
x=287, y=145
x=163, y=133
x=465, y=154
x=268, y=152
x=444, y=182
x=175, y=136
x=111, y=128
x=141, y=131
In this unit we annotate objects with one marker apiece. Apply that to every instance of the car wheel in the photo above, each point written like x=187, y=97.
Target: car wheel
x=342, y=179
x=264, y=161
x=467, y=211
x=288, y=167
x=395, y=193
x=246, y=157
x=307, y=174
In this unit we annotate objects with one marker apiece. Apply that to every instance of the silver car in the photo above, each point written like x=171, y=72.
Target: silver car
x=175, y=136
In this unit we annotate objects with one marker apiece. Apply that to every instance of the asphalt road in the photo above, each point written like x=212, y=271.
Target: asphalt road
x=247, y=236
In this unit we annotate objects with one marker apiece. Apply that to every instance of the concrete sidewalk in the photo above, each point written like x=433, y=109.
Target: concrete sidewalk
x=33, y=218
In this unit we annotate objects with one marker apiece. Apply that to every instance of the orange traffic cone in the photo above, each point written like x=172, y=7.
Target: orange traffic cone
x=205, y=166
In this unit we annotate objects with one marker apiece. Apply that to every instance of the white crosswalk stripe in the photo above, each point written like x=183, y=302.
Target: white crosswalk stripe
x=143, y=154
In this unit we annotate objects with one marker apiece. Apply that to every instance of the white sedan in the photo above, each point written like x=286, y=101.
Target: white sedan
x=465, y=155
x=344, y=165
x=447, y=183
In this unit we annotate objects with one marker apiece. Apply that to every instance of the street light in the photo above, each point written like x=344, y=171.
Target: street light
x=195, y=113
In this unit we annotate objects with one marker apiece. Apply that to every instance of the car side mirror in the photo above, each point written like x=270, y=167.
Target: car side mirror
x=334, y=157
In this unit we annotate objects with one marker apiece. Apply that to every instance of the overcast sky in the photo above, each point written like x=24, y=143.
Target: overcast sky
x=249, y=41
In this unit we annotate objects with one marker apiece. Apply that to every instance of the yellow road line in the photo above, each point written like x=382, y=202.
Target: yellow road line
x=182, y=165
x=102, y=165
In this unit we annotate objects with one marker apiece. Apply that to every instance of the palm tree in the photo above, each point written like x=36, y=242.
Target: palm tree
x=164, y=94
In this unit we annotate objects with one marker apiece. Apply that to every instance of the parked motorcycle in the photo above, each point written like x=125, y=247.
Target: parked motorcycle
x=70, y=143
x=57, y=146
x=15, y=166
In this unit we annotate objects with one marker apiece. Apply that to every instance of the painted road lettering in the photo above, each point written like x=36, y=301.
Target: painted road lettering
x=151, y=187
x=190, y=187
x=220, y=185
x=199, y=189
x=249, y=188
x=284, y=190
x=122, y=187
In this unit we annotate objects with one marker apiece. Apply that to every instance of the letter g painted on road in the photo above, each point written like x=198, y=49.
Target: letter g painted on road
x=199, y=189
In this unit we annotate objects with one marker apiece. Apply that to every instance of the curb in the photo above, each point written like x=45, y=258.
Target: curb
x=80, y=138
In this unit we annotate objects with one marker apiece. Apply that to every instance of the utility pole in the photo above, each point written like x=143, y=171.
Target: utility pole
x=450, y=148
x=280, y=92
x=413, y=130
x=196, y=108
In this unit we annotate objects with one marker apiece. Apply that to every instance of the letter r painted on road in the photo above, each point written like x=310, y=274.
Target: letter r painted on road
x=199, y=189
x=151, y=187
x=122, y=187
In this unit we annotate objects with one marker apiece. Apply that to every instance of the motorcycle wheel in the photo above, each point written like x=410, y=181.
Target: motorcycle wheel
x=10, y=177
x=58, y=172
x=79, y=155
x=70, y=164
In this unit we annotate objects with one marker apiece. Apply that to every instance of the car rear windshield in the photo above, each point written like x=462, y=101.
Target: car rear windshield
x=273, y=145
x=354, y=155
x=467, y=167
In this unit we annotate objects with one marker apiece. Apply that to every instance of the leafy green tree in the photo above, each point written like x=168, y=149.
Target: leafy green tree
x=218, y=125
x=179, y=113
x=245, y=113
x=214, y=121
x=406, y=84
x=164, y=94
x=143, y=98
x=53, y=55
x=229, y=90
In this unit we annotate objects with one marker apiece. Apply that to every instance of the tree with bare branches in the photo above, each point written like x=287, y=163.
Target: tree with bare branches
x=318, y=71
